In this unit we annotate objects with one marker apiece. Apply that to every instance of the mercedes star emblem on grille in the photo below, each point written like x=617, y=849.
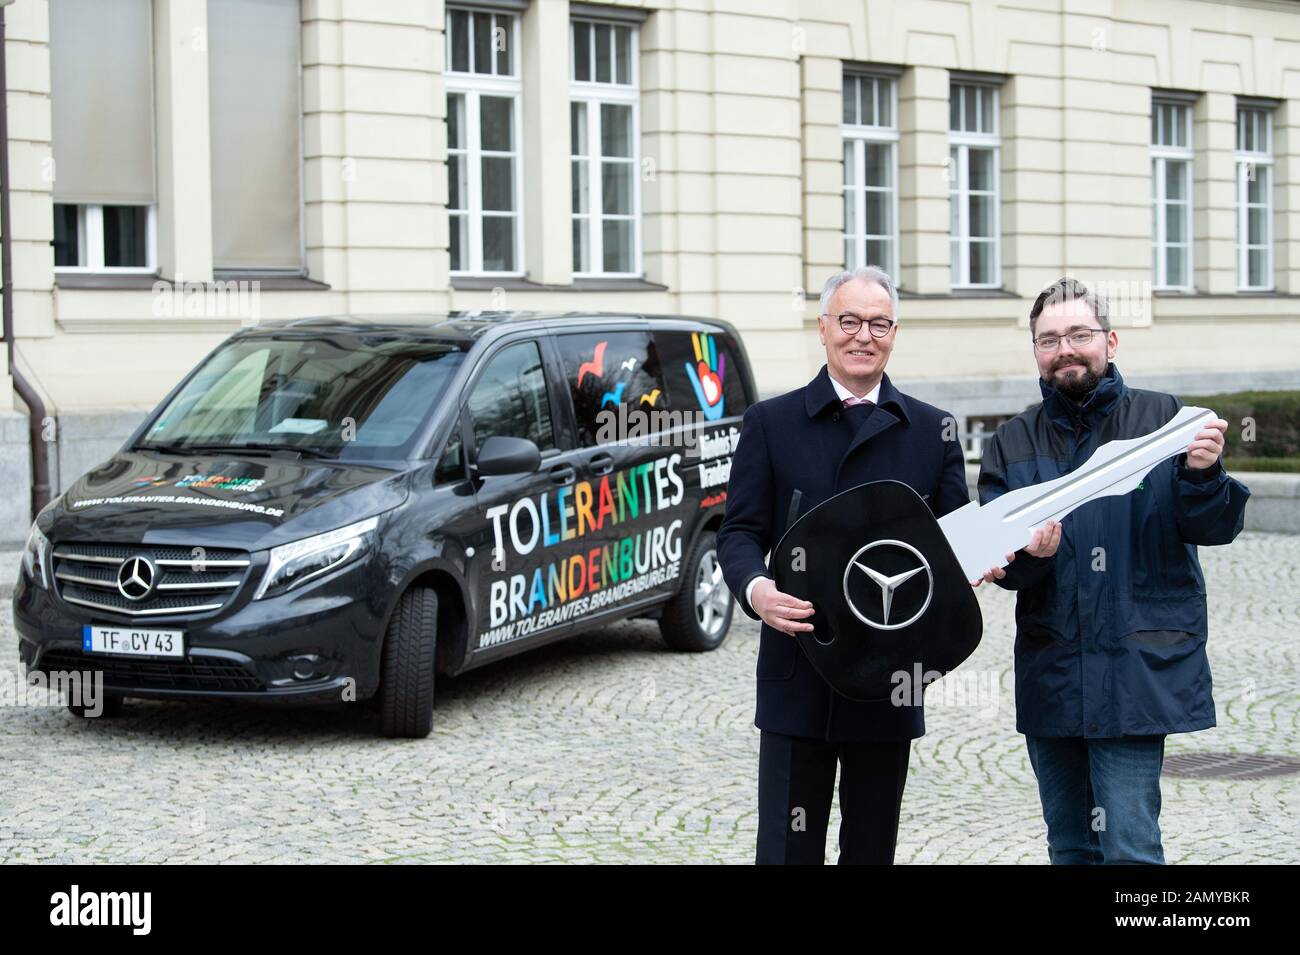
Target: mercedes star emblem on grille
x=135, y=578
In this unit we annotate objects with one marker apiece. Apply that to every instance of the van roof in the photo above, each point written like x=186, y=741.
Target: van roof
x=473, y=325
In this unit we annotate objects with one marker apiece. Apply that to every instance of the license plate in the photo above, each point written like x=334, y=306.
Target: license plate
x=128, y=640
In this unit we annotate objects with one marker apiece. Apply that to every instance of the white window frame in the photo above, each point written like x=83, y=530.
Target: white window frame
x=472, y=86
x=858, y=135
x=593, y=94
x=1248, y=162
x=90, y=241
x=959, y=190
x=1161, y=156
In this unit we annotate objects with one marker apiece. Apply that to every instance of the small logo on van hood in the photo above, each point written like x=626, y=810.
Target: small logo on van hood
x=218, y=482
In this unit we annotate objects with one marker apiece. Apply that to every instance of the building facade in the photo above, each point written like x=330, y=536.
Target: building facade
x=181, y=168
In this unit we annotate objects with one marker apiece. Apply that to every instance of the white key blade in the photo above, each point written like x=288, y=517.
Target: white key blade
x=981, y=537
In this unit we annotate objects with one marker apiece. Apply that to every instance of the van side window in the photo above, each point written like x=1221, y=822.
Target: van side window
x=510, y=398
x=450, y=466
x=702, y=373
x=607, y=371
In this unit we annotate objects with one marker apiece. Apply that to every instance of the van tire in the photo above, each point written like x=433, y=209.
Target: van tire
x=112, y=706
x=407, y=670
x=680, y=622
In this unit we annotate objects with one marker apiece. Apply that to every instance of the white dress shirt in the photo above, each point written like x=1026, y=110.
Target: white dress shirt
x=874, y=397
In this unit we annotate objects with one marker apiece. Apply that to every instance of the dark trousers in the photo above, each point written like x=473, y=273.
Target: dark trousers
x=796, y=780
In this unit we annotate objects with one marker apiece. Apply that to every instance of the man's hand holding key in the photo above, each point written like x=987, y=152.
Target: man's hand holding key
x=1043, y=544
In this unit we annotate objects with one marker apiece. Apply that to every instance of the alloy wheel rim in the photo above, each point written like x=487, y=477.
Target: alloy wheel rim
x=712, y=598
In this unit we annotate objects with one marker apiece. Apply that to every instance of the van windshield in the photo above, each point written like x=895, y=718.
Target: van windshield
x=339, y=395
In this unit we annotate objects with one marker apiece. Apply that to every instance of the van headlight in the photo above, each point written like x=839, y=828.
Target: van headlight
x=34, y=552
x=304, y=560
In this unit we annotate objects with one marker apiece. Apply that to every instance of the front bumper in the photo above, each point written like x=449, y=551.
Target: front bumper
x=319, y=643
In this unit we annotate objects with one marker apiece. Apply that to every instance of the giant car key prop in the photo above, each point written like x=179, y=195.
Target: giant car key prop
x=891, y=586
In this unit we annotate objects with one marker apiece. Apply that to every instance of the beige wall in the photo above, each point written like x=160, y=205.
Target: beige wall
x=740, y=112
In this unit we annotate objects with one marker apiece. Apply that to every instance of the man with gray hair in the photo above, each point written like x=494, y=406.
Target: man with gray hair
x=849, y=425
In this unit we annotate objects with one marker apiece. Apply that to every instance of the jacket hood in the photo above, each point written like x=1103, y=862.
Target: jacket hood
x=1088, y=412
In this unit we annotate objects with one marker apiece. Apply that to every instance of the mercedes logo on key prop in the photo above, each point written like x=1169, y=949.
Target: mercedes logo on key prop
x=888, y=593
x=890, y=580
x=135, y=577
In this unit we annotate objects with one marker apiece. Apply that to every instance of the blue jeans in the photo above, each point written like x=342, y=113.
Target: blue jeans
x=1101, y=798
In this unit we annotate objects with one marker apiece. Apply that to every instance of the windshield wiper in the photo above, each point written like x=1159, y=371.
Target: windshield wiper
x=261, y=449
x=268, y=446
x=182, y=448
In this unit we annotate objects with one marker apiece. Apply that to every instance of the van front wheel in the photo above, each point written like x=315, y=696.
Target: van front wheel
x=406, y=679
x=698, y=617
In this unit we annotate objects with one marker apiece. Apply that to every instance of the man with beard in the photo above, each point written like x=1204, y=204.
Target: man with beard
x=1111, y=628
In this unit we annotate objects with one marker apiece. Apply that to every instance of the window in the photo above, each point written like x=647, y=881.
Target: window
x=451, y=465
x=702, y=373
x=485, y=178
x=510, y=398
x=974, y=216
x=255, y=113
x=607, y=371
x=1171, y=194
x=102, y=135
x=103, y=238
x=604, y=130
x=870, y=134
x=1254, y=199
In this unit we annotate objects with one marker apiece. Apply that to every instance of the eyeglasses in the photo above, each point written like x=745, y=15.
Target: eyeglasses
x=1081, y=338
x=879, y=327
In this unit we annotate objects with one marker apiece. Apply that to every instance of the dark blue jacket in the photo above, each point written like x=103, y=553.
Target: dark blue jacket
x=1110, y=631
x=802, y=440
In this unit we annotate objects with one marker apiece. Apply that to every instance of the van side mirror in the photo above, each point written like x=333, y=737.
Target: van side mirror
x=502, y=455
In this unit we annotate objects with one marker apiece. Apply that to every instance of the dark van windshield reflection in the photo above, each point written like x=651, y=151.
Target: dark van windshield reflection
x=348, y=397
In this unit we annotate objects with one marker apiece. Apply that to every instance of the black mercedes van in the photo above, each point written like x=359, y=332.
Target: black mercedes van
x=337, y=509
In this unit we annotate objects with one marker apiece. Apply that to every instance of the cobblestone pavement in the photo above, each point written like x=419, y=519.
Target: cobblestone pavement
x=610, y=748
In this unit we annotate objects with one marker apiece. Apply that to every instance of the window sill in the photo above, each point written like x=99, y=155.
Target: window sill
x=959, y=293
x=597, y=284
x=105, y=280
x=486, y=283
x=271, y=282
x=147, y=280
x=1241, y=293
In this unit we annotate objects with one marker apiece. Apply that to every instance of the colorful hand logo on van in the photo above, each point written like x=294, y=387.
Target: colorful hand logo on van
x=706, y=375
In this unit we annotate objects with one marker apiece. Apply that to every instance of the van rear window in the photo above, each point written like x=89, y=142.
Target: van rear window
x=610, y=375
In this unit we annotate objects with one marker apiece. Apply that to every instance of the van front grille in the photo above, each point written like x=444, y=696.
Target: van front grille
x=160, y=581
x=193, y=673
